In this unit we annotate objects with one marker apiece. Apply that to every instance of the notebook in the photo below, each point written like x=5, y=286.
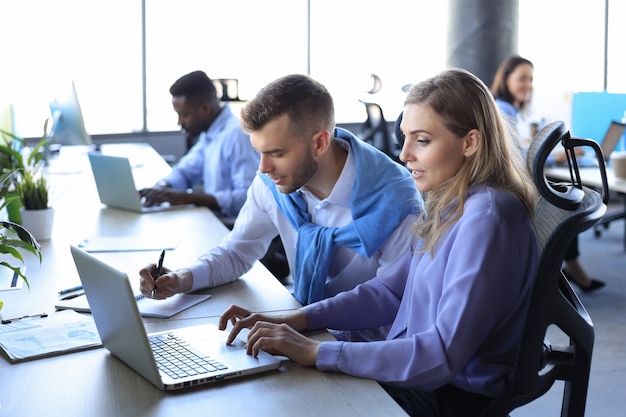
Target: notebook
x=160, y=309
x=608, y=144
x=116, y=185
x=122, y=332
x=137, y=242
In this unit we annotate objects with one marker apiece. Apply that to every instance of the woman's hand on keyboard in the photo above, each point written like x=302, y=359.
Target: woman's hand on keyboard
x=241, y=318
x=282, y=339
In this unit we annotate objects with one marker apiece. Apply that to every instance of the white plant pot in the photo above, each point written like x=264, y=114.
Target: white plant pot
x=38, y=222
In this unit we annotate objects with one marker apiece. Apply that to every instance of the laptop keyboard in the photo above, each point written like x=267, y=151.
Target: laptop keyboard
x=177, y=359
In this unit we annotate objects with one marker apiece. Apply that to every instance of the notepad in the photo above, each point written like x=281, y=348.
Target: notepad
x=10, y=280
x=148, y=307
x=129, y=243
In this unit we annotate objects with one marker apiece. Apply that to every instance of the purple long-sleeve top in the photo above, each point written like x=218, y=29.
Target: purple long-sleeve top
x=457, y=317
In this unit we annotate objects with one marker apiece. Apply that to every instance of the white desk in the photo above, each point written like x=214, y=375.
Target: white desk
x=94, y=383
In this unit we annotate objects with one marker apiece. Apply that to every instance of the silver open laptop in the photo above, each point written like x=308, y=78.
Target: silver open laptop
x=608, y=144
x=116, y=185
x=122, y=332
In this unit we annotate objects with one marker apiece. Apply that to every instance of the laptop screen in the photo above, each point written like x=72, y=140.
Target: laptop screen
x=611, y=138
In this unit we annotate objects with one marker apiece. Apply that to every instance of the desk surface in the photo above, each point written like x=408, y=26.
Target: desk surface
x=590, y=177
x=94, y=383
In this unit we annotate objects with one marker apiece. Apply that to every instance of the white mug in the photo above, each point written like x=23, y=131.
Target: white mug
x=618, y=160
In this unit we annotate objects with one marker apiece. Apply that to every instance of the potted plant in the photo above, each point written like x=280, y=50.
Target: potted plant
x=8, y=163
x=35, y=213
x=29, y=183
x=33, y=191
x=14, y=238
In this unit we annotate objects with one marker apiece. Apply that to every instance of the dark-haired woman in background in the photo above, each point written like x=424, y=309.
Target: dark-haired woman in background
x=512, y=88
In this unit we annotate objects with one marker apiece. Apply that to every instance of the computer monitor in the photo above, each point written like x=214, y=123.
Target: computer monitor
x=7, y=126
x=68, y=126
x=6, y=119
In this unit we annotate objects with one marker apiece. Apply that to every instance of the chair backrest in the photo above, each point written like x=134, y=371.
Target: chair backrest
x=398, y=136
x=376, y=132
x=227, y=89
x=563, y=211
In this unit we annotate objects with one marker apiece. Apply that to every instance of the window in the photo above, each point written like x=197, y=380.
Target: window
x=99, y=45
x=349, y=40
x=400, y=41
x=51, y=42
x=564, y=40
x=253, y=41
x=616, y=67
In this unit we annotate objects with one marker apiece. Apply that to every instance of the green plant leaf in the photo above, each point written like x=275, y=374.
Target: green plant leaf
x=21, y=179
x=11, y=251
x=17, y=270
x=26, y=240
x=31, y=185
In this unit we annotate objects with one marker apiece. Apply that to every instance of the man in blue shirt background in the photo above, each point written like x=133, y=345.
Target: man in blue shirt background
x=221, y=159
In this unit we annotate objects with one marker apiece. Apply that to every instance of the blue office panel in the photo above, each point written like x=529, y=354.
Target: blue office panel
x=593, y=112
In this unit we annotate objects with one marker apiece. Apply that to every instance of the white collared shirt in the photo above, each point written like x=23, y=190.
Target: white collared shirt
x=260, y=219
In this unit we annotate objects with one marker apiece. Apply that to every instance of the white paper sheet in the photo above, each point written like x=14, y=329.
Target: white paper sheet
x=58, y=333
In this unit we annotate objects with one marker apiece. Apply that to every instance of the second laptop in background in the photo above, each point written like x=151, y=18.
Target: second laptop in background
x=607, y=144
x=116, y=185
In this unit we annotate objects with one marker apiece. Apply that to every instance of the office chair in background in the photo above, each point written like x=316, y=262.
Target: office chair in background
x=227, y=89
x=563, y=211
x=398, y=136
x=375, y=130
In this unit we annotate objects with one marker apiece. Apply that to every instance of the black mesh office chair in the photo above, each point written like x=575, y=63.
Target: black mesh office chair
x=563, y=211
x=398, y=136
x=227, y=89
x=376, y=132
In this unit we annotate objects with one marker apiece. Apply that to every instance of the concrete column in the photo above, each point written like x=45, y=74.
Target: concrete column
x=481, y=33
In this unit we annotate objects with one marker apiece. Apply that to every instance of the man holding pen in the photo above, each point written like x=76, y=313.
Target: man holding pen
x=157, y=273
x=342, y=208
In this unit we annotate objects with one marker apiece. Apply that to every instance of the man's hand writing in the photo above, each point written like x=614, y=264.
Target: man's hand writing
x=169, y=283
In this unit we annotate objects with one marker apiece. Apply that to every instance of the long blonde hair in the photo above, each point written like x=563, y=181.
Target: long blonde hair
x=463, y=103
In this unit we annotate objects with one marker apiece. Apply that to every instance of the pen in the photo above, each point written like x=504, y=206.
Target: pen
x=14, y=280
x=30, y=316
x=158, y=270
x=70, y=296
x=76, y=288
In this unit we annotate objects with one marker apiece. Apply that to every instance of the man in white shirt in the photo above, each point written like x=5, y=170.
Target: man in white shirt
x=342, y=208
x=222, y=159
